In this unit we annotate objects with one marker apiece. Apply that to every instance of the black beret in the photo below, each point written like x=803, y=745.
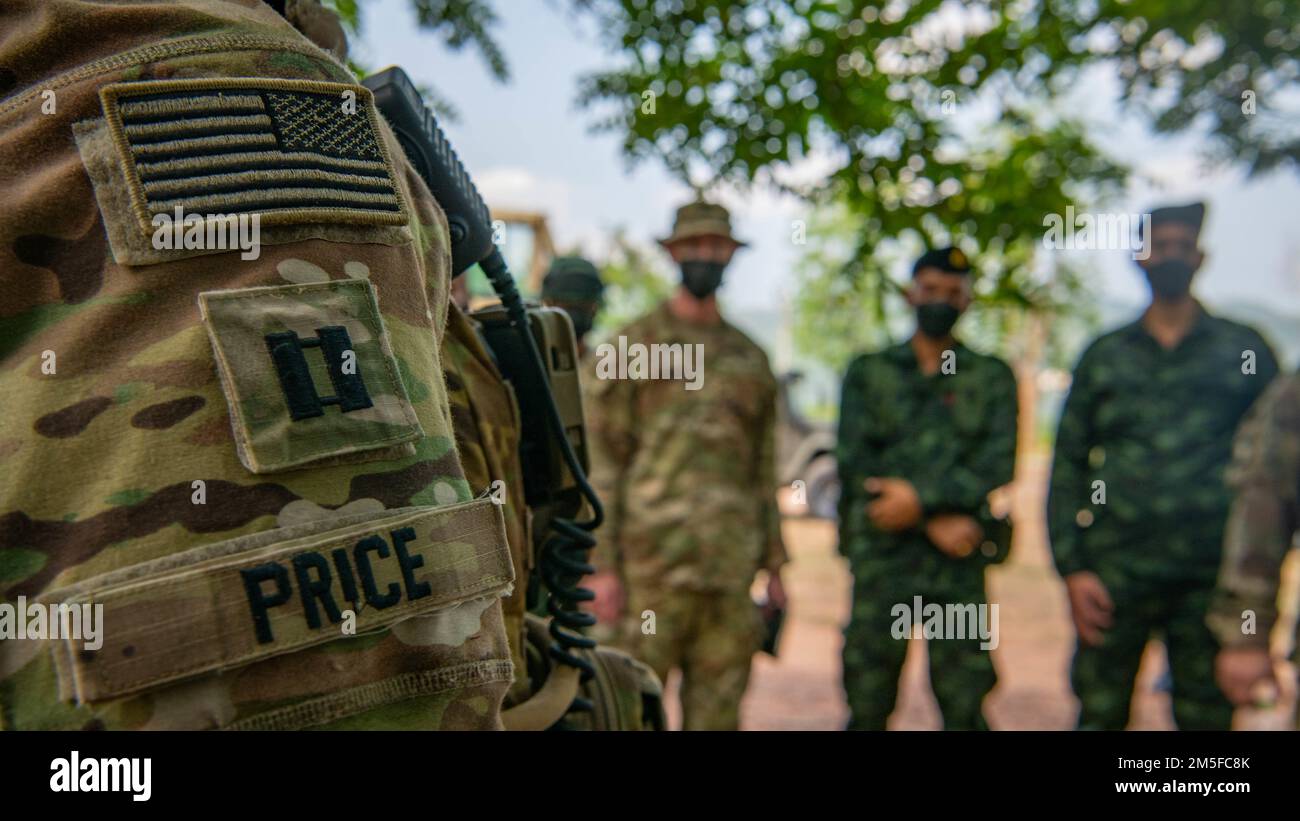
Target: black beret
x=949, y=260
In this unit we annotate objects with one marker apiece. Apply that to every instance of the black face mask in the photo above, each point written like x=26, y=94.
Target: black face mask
x=1170, y=279
x=702, y=278
x=935, y=319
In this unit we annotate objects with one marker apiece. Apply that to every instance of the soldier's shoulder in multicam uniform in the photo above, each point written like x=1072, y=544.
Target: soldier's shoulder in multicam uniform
x=730, y=361
x=1265, y=479
x=228, y=454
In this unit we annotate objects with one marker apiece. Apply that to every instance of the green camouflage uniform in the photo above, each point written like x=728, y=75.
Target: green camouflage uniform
x=1264, y=519
x=1155, y=427
x=229, y=455
x=688, y=483
x=953, y=437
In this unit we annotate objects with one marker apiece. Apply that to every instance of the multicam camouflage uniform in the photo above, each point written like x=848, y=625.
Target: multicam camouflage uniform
x=1154, y=427
x=228, y=454
x=953, y=437
x=1265, y=517
x=687, y=479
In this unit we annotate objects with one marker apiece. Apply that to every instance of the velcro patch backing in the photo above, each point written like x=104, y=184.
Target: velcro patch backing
x=225, y=605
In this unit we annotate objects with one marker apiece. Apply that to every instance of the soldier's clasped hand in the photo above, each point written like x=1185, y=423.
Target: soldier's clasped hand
x=955, y=534
x=896, y=506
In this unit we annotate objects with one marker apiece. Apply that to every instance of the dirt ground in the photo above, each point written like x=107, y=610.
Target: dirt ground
x=801, y=689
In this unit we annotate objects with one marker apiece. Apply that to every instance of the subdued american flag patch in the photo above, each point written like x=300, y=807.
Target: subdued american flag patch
x=292, y=151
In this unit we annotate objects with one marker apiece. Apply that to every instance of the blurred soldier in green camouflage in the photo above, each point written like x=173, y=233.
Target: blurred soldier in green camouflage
x=927, y=431
x=573, y=284
x=1262, y=527
x=248, y=461
x=687, y=476
x=1138, y=502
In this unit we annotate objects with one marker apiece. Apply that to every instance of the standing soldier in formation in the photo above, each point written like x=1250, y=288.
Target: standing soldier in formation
x=927, y=431
x=1262, y=527
x=1138, y=502
x=688, y=482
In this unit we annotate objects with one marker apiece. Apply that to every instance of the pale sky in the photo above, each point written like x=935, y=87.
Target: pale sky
x=528, y=146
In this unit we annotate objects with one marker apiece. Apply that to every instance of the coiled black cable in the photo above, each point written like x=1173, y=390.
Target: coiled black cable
x=563, y=563
x=564, y=557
